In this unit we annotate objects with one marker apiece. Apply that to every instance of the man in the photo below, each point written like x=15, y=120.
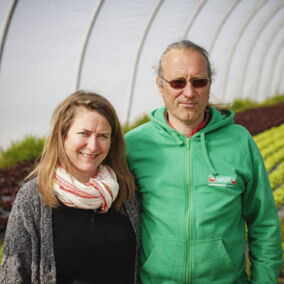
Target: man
x=202, y=182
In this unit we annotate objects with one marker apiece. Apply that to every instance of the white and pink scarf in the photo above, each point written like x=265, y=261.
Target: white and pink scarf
x=97, y=194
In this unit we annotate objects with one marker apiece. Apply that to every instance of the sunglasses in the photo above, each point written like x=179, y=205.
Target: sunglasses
x=181, y=83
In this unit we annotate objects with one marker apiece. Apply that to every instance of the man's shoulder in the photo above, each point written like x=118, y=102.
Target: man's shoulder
x=239, y=136
x=240, y=132
x=139, y=138
x=237, y=128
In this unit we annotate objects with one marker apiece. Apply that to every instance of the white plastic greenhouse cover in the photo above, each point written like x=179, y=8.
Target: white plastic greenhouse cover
x=50, y=48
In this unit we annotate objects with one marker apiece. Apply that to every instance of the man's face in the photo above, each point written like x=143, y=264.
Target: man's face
x=185, y=106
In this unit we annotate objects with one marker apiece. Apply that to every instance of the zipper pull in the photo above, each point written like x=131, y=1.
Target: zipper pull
x=187, y=143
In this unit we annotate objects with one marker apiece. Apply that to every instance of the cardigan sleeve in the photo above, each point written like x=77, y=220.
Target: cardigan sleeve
x=133, y=209
x=20, y=238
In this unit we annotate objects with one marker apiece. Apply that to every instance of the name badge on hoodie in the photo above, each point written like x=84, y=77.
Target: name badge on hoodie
x=221, y=181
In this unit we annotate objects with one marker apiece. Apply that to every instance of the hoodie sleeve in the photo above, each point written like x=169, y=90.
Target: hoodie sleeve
x=262, y=221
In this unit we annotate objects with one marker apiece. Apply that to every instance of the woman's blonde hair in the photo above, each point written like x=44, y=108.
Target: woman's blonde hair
x=54, y=154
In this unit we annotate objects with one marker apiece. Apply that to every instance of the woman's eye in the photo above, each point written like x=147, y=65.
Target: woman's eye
x=82, y=133
x=104, y=136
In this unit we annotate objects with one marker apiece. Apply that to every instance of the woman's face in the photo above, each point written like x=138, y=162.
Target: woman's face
x=87, y=143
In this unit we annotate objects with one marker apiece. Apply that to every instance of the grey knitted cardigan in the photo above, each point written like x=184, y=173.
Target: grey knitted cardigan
x=28, y=255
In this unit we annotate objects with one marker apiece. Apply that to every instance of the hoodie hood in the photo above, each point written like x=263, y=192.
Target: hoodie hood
x=218, y=120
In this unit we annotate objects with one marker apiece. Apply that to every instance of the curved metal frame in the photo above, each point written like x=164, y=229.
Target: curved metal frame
x=276, y=87
x=273, y=36
x=274, y=59
x=280, y=76
x=193, y=17
x=7, y=23
x=222, y=24
x=238, y=38
x=86, y=39
x=248, y=55
x=137, y=58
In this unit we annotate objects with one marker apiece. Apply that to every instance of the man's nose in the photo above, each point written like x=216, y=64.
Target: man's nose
x=189, y=91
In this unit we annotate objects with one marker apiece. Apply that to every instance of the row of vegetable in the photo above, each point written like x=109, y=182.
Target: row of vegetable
x=271, y=145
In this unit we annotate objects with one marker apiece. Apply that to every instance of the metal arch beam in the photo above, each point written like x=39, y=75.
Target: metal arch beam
x=222, y=24
x=276, y=87
x=236, y=42
x=4, y=32
x=278, y=51
x=193, y=18
x=248, y=55
x=274, y=59
x=280, y=76
x=137, y=59
x=271, y=39
x=85, y=42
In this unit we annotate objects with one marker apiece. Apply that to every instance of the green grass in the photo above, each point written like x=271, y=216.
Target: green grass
x=25, y=150
x=140, y=120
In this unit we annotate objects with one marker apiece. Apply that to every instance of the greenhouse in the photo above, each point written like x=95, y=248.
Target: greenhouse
x=50, y=49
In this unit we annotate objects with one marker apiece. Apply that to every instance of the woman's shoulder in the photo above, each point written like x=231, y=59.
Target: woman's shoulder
x=29, y=188
x=26, y=210
x=28, y=194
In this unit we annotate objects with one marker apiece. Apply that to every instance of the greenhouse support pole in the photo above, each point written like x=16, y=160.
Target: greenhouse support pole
x=238, y=37
x=249, y=55
x=137, y=59
x=4, y=31
x=86, y=39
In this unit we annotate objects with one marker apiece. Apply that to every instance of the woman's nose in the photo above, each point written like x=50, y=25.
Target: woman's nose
x=92, y=144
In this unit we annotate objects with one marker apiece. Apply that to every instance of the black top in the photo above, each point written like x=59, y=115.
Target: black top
x=93, y=248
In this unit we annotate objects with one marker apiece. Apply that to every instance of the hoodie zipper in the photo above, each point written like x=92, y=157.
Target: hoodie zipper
x=188, y=212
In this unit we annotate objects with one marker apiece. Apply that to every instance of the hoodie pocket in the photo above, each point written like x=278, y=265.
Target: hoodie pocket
x=165, y=261
x=211, y=262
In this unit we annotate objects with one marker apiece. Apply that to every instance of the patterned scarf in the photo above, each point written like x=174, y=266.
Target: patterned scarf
x=98, y=193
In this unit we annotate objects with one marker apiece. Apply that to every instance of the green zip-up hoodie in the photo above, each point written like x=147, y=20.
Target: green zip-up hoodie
x=198, y=194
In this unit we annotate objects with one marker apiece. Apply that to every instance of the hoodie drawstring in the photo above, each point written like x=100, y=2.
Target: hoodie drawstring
x=206, y=156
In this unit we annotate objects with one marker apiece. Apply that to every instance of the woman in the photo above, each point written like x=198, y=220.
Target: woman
x=77, y=220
